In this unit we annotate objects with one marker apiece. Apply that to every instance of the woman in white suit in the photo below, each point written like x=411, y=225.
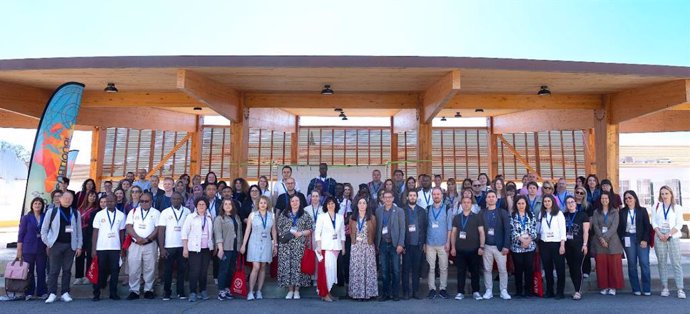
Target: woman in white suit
x=329, y=234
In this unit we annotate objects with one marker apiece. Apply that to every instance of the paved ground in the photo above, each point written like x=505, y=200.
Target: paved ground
x=593, y=303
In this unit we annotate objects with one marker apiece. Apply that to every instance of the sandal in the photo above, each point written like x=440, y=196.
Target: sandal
x=577, y=296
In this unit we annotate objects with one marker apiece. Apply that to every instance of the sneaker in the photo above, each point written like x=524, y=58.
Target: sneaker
x=477, y=296
x=637, y=293
x=258, y=295
x=204, y=295
x=647, y=293
x=166, y=297
x=182, y=297
x=66, y=297
x=432, y=294
x=585, y=276
x=77, y=282
x=192, y=297
x=665, y=293
x=221, y=295
x=149, y=295
x=443, y=294
x=488, y=294
x=505, y=295
x=132, y=296
x=28, y=297
x=681, y=294
x=51, y=298
x=296, y=295
x=250, y=296
x=604, y=291
x=612, y=291
x=289, y=295
x=459, y=296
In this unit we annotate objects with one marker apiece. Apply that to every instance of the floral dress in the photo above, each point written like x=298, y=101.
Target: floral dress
x=290, y=254
x=363, y=276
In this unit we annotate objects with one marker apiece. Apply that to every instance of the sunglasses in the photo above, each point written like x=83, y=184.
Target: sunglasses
x=547, y=188
x=580, y=193
x=145, y=202
x=476, y=185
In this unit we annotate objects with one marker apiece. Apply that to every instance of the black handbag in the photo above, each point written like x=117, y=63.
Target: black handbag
x=285, y=238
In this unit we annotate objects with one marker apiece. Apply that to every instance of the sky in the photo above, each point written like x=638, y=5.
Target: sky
x=621, y=31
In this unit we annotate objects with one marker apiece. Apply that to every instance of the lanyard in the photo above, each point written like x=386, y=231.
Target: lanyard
x=435, y=213
x=375, y=190
x=498, y=204
x=335, y=217
x=294, y=219
x=360, y=224
x=143, y=217
x=385, y=218
x=62, y=214
x=314, y=211
x=632, y=217
x=666, y=210
x=562, y=199
x=427, y=198
x=606, y=218
x=112, y=222
x=523, y=221
x=39, y=224
x=491, y=214
x=264, y=220
x=203, y=223
x=463, y=221
x=571, y=220
x=531, y=203
x=177, y=219
x=548, y=220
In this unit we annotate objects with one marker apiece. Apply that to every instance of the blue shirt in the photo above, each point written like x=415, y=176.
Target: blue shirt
x=440, y=223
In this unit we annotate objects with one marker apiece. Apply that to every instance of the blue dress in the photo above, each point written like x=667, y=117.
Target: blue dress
x=260, y=245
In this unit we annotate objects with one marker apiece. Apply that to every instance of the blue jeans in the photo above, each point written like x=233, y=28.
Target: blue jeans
x=390, y=265
x=636, y=254
x=226, y=269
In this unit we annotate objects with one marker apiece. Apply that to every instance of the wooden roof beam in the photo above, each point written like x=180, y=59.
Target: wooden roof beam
x=506, y=101
x=220, y=98
x=22, y=99
x=405, y=120
x=662, y=121
x=439, y=94
x=639, y=102
x=272, y=119
x=148, y=118
x=97, y=99
x=337, y=100
x=544, y=120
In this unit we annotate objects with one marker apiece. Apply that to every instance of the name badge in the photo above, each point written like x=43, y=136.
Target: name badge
x=384, y=230
x=434, y=225
x=177, y=229
x=335, y=237
x=549, y=235
x=524, y=235
x=111, y=235
x=490, y=232
x=411, y=228
x=569, y=235
x=293, y=229
x=604, y=229
x=142, y=226
x=462, y=235
x=264, y=234
x=627, y=241
x=665, y=228
x=360, y=237
x=68, y=229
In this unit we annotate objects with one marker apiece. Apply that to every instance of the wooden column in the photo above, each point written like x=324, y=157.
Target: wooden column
x=424, y=148
x=493, y=149
x=97, y=155
x=394, y=150
x=195, y=158
x=589, y=144
x=294, y=140
x=606, y=143
x=240, y=144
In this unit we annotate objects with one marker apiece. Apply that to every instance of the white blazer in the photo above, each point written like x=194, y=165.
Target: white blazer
x=191, y=231
x=331, y=239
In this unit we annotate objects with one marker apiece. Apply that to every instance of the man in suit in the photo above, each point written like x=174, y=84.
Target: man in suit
x=415, y=240
x=390, y=240
x=327, y=184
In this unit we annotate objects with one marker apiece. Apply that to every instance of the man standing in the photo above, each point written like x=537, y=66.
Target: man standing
x=281, y=186
x=63, y=237
x=376, y=184
x=497, y=235
x=170, y=238
x=439, y=227
x=107, y=189
x=415, y=239
x=531, y=177
x=283, y=200
x=155, y=191
x=143, y=252
x=164, y=200
x=479, y=194
x=108, y=234
x=467, y=245
x=214, y=205
x=390, y=240
x=399, y=187
x=142, y=183
x=328, y=184
x=562, y=193
x=437, y=182
x=424, y=194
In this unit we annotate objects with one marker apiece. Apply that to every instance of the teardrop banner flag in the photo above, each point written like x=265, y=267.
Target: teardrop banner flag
x=50, y=156
x=71, y=160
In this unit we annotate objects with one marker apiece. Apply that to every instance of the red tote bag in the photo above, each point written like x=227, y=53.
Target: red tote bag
x=238, y=285
x=308, y=265
x=92, y=273
x=536, y=276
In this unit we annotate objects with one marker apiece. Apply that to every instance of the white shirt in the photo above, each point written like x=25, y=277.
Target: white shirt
x=345, y=206
x=313, y=212
x=331, y=238
x=194, y=228
x=173, y=220
x=281, y=188
x=143, y=222
x=424, y=198
x=109, y=225
x=557, y=231
x=674, y=218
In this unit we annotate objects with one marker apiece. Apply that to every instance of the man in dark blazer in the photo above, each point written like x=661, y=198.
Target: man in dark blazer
x=390, y=241
x=415, y=239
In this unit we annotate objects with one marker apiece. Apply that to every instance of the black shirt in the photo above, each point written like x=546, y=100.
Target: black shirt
x=574, y=223
x=471, y=229
x=64, y=237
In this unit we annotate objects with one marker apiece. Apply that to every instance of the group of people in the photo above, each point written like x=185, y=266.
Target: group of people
x=402, y=228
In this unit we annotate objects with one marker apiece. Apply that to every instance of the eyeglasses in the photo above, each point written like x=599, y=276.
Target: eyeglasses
x=144, y=202
x=136, y=191
x=547, y=188
x=570, y=202
x=476, y=185
x=580, y=193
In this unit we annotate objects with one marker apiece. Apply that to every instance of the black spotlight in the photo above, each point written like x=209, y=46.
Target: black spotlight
x=338, y=109
x=327, y=90
x=544, y=91
x=479, y=110
x=443, y=119
x=344, y=119
x=458, y=115
x=197, y=108
x=110, y=88
x=342, y=114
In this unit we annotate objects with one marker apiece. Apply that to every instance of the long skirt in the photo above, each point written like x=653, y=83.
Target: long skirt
x=363, y=276
x=328, y=272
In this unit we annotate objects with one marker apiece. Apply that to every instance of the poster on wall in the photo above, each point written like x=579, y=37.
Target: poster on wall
x=51, y=154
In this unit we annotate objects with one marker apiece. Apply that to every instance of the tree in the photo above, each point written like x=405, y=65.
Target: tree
x=19, y=150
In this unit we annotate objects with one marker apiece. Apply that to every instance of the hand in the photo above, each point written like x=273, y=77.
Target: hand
x=480, y=252
x=123, y=253
x=399, y=249
x=342, y=252
x=505, y=252
x=164, y=253
x=78, y=252
x=561, y=250
x=242, y=250
x=220, y=254
x=275, y=250
x=452, y=252
x=185, y=253
x=584, y=250
x=643, y=244
x=446, y=247
x=424, y=248
x=605, y=244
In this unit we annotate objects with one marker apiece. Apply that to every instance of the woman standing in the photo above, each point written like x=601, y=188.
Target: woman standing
x=329, y=234
x=592, y=188
x=577, y=236
x=120, y=200
x=252, y=202
x=88, y=185
x=261, y=237
x=295, y=225
x=133, y=203
x=452, y=199
x=498, y=186
x=32, y=250
x=634, y=231
x=210, y=178
x=197, y=243
x=606, y=186
x=241, y=190
x=523, y=237
x=197, y=192
x=363, y=282
x=88, y=209
x=548, y=189
x=607, y=246
x=227, y=231
x=263, y=186
x=584, y=206
x=552, y=248
x=667, y=219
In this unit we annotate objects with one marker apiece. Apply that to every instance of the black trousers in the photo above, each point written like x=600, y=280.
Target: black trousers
x=344, y=263
x=587, y=263
x=549, y=259
x=198, y=270
x=472, y=262
x=524, y=267
x=411, y=266
x=575, y=259
x=79, y=267
x=174, y=258
x=108, y=265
